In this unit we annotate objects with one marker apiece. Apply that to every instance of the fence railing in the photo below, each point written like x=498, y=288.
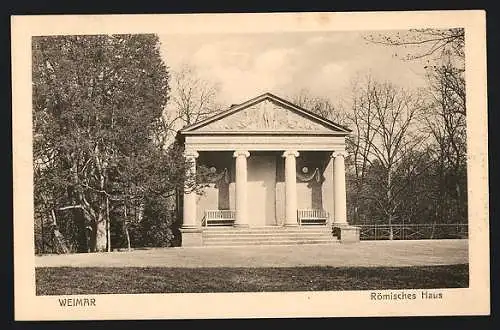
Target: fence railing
x=413, y=231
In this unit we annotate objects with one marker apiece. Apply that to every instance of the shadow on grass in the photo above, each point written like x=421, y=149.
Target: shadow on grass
x=103, y=280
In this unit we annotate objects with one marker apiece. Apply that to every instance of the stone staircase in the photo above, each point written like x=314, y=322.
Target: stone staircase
x=231, y=236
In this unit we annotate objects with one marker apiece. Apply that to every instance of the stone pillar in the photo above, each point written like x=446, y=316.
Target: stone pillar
x=189, y=206
x=190, y=230
x=339, y=191
x=241, y=188
x=290, y=187
x=341, y=227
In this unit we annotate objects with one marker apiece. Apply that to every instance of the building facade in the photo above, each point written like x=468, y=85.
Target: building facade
x=272, y=165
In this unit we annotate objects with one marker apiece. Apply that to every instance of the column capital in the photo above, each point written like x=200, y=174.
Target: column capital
x=287, y=153
x=336, y=154
x=241, y=153
x=191, y=154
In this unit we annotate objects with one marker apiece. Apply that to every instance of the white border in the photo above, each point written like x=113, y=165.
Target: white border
x=474, y=300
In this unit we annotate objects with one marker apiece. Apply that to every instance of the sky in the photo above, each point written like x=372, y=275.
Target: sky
x=323, y=63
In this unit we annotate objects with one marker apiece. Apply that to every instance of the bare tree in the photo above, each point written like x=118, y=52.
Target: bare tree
x=445, y=120
x=360, y=120
x=421, y=43
x=192, y=100
x=322, y=106
x=385, y=122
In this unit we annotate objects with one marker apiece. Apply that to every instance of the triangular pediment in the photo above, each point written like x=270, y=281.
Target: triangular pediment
x=266, y=113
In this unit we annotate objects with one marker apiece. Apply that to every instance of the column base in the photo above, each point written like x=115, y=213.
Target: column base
x=346, y=233
x=291, y=225
x=191, y=237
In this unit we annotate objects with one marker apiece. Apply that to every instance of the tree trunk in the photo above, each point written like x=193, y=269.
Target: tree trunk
x=42, y=246
x=433, y=229
x=391, y=232
x=60, y=245
x=125, y=229
x=79, y=219
x=127, y=235
x=389, y=204
x=54, y=221
x=100, y=232
x=140, y=211
x=108, y=227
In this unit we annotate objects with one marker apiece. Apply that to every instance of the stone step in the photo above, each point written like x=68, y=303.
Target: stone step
x=267, y=235
x=268, y=242
x=267, y=239
x=269, y=227
x=318, y=230
x=271, y=235
x=270, y=230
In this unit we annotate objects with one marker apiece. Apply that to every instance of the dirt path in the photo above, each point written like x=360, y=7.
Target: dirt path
x=366, y=253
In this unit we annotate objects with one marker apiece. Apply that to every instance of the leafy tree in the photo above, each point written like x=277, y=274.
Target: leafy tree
x=97, y=101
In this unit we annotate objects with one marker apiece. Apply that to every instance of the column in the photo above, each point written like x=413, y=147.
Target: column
x=339, y=192
x=241, y=188
x=290, y=187
x=189, y=206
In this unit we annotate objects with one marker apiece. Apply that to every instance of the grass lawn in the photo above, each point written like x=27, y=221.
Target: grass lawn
x=102, y=280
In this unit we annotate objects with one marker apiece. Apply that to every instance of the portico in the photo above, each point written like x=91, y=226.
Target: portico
x=274, y=165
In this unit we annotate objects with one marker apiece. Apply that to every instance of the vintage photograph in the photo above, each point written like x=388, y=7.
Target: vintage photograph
x=251, y=162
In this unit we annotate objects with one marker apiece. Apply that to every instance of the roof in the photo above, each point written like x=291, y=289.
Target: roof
x=334, y=127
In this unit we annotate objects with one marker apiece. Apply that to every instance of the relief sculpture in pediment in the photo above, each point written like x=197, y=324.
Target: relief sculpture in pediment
x=264, y=116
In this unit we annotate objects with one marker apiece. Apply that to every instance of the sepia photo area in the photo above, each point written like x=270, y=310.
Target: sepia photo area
x=314, y=166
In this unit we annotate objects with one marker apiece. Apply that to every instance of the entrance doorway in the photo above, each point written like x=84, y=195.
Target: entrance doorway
x=262, y=190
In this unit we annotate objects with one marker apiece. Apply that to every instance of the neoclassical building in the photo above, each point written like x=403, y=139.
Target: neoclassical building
x=278, y=178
